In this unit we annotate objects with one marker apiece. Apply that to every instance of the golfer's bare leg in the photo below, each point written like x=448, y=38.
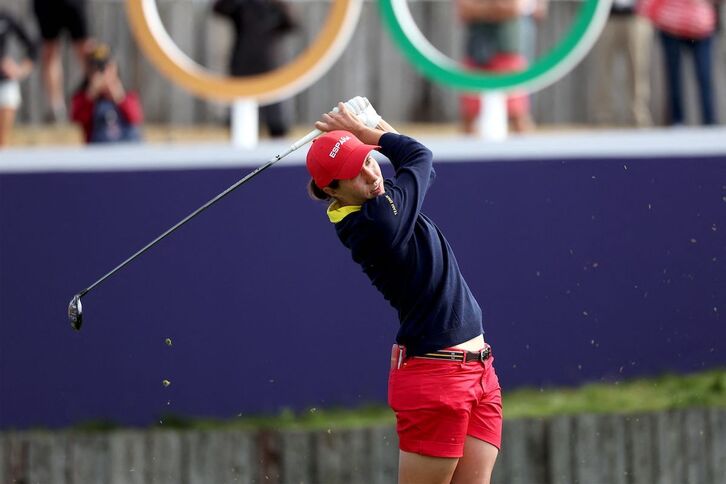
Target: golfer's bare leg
x=422, y=469
x=477, y=464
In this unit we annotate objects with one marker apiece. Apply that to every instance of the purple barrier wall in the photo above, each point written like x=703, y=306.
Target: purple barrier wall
x=587, y=270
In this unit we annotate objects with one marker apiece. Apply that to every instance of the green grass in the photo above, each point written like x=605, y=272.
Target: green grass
x=706, y=389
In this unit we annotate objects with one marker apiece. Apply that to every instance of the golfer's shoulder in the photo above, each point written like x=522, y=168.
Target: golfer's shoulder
x=410, y=154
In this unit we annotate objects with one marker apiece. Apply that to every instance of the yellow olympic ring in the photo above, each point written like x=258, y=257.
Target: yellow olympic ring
x=273, y=86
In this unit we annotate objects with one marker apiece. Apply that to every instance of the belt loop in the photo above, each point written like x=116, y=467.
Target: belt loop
x=401, y=355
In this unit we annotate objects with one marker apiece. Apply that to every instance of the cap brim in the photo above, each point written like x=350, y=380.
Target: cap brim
x=353, y=164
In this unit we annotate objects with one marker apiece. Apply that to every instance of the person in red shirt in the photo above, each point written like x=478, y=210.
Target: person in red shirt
x=686, y=25
x=101, y=104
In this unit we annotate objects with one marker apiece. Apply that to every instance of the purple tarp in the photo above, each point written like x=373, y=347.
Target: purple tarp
x=586, y=270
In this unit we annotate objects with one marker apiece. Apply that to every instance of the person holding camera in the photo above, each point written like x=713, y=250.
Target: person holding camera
x=101, y=105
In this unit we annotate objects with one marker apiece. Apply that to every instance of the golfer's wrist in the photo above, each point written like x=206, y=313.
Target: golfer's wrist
x=369, y=136
x=385, y=127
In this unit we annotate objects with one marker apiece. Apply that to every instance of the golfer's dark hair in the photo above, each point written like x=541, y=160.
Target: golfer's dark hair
x=318, y=194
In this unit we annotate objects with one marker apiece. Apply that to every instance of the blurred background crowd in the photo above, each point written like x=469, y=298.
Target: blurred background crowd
x=71, y=72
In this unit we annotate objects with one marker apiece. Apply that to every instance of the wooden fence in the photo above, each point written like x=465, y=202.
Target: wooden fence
x=674, y=447
x=371, y=66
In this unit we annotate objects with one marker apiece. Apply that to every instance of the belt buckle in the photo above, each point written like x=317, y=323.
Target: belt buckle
x=485, y=353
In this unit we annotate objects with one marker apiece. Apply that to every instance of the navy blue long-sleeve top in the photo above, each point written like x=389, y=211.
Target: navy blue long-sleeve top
x=406, y=256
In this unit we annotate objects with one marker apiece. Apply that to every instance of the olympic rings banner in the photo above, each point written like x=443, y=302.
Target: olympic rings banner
x=333, y=38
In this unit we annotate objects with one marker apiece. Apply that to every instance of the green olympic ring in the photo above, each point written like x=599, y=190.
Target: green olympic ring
x=434, y=65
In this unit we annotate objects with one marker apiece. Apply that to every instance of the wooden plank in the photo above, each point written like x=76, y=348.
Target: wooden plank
x=127, y=462
x=4, y=457
x=235, y=457
x=586, y=449
x=384, y=454
x=268, y=456
x=199, y=465
x=522, y=458
x=342, y=456
x=559, y=443
x=46, y=457
x=218, y=456
x=669, y=448
x=536, y=448
x=612, y=460
x=163, y=457
x=87, y=457
x=640, y=443
x=695, y=435
x=15, y=458
x=599, y=449
x=717, y=450
x=296, y=457
x=505, y=460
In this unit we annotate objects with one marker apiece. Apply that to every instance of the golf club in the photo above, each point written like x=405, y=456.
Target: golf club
x=75, y=308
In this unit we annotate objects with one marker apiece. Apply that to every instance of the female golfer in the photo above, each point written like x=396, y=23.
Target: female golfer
x=442, y=385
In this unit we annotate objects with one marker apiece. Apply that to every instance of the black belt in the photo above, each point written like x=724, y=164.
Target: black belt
x=459, y=355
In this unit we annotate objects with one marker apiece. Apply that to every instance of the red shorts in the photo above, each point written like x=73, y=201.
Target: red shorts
x=439, y=403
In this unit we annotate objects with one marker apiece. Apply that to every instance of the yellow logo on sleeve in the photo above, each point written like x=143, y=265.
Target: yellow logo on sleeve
x=393, y=205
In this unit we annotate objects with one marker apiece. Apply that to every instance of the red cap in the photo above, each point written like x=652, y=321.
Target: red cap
x=336, y=155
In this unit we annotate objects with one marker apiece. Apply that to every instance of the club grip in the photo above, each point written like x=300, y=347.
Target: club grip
x=305, y=139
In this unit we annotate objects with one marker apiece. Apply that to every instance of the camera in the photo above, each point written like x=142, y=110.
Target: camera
x=98, y=58
x=98, y=65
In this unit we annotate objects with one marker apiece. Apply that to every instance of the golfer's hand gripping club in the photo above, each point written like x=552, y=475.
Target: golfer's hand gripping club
x=359, y=105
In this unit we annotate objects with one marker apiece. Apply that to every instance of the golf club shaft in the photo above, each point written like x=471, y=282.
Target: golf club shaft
x=301, y=142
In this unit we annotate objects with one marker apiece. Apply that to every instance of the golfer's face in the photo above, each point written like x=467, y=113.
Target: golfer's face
x=367, y=185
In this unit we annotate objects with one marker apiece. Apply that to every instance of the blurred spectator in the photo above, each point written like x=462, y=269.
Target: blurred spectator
x=101, y=105
x=12, y=72
x=494, y=43
x=259, y=25
x=686, y=24
x=626, y=34
x=55, y=16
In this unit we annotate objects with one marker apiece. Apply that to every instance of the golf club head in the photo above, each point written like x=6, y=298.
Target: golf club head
x=75, y=312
